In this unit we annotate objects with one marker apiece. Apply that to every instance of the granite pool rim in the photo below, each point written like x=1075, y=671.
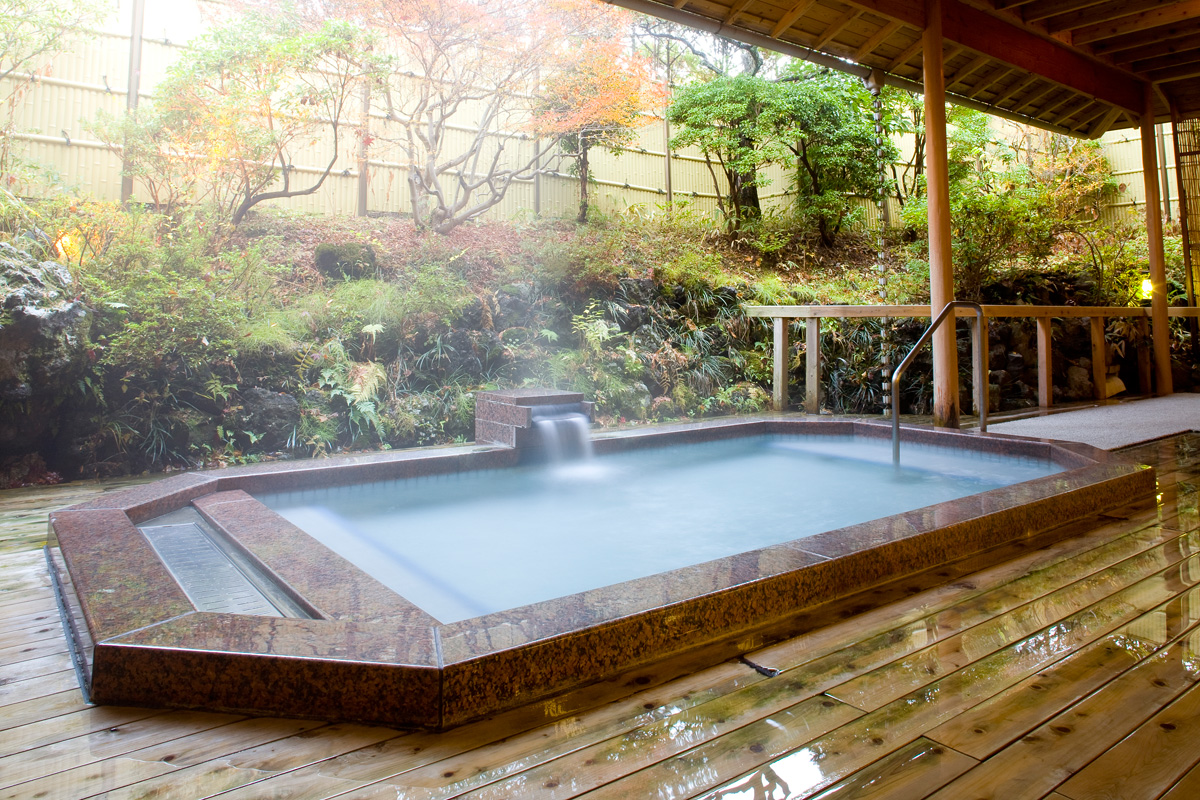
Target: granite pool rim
x=374, y=657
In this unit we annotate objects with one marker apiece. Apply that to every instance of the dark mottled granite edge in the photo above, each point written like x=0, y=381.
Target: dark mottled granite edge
x=172, y=677
x=119, y=579
x=310, y=572
x=152, y=648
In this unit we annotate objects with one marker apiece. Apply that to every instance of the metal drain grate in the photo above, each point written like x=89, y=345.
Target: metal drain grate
x=210, y=580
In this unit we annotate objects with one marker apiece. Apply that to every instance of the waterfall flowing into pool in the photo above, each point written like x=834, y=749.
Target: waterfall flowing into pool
x=564, y=433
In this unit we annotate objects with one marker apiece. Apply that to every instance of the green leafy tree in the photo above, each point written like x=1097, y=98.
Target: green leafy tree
x=825, y=119
x=817, y=118
x=725, y=119
x=1012, y=200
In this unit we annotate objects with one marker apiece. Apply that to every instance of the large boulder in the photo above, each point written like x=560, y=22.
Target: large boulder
x=1079, y=383
x=43, y=355
x=268, y=420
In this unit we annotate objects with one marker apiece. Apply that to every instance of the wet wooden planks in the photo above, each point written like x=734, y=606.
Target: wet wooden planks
x=1068, y=670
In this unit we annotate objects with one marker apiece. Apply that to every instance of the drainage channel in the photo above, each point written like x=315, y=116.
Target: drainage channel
x=213, y=575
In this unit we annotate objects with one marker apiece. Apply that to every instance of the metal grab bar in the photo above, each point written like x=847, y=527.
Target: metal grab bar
x=979, y=380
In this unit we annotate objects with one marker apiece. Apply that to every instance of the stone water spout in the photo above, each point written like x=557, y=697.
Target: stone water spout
x=547, y=422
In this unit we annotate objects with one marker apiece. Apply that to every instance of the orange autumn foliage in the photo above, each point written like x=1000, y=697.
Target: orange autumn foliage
x=600, y=92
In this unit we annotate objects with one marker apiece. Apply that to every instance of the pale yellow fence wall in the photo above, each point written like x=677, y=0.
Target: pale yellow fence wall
x=92, y=75
x=1124, y=151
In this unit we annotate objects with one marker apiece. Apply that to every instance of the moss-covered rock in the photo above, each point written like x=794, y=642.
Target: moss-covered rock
x=347, y=260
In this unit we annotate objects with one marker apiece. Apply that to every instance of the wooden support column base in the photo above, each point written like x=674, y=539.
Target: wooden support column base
x=1145, y=358
x=1099, y=359
x=780, y=364
x=812, y=365
x=1044, y=355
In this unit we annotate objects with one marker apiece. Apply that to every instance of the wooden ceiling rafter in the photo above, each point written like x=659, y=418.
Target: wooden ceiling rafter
x=1078, y=66
x=1078, y=106
x=1097, y=110
x=1044, y=9
x=736, y=11
x=1105, y=123
x=999, y=74
x=951, y=52
x=1172, y=74
x=906, y=55
x=1095, y=15
x=1052, y=59
x=1032, y=98
x=1167, y=47
x=879, y=37
x=971, y=67
x=1165, y=61
x=837, y=26
x=789, y=19
x=1146, y=37
x=1050, y=110
x=1018, y=86
x=1184, y=11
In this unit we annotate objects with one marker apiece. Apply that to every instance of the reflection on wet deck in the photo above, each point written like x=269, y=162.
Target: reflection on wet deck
x=1070, y=670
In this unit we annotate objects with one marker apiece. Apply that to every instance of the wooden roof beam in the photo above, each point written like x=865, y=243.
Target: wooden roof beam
x=1033, y=99
x=1158, y=49
x=1080, y=105
x=1104, y=12
x=1044, y=9
x=1015, y=89
x=879, y=37
x=1104, y=123
x=789, y=18
x=1134, y=23
x=1162, y=62
x=1000, y=74
x=907, y=12
x=1098, y=110
x=1045, y=111
x=1174, y=73
x=1149, y=38
x=1002, y=5
x=1004, y=41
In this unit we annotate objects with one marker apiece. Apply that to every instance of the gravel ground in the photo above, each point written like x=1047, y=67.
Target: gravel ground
x=1112, y=426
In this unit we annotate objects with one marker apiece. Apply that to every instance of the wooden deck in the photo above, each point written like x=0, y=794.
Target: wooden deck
x=1066, y=669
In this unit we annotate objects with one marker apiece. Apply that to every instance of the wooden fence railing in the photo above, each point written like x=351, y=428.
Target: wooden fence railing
x=812, y=316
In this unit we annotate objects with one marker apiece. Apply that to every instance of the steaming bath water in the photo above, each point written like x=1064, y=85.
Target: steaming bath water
x=471, y=543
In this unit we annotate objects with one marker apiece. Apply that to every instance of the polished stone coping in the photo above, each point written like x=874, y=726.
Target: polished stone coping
x=367, y=654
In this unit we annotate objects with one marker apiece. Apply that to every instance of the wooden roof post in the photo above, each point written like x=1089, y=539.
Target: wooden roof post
x=1154, y=237
x=941, y=266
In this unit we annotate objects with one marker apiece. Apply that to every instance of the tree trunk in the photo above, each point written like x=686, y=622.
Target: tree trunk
x=748, y=195
x=747, y=192
x=583, y=179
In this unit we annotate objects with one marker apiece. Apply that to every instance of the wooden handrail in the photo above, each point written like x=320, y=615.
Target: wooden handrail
x=978, y=371
x=861, y=312
x=813, y=314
